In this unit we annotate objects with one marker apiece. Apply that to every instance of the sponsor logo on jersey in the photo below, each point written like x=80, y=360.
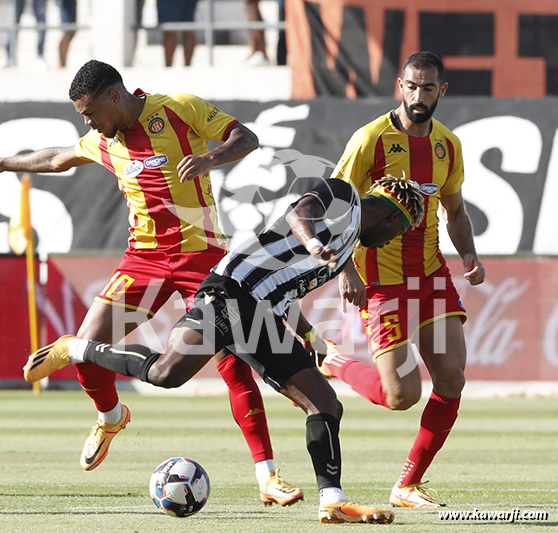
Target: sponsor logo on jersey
x=156, y=161
x=132, y=169
x=440, y=151
x=156, y=125
x=396, y=149
x=460, y=302
x=212, y=114
x=429, y=188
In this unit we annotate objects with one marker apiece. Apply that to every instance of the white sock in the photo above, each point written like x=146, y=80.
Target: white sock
x=332, y=495
x=263, y=470
x=77, y=349
x=113, y=416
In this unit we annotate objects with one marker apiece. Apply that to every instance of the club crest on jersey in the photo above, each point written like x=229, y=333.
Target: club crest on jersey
x=156, y=125
x=440, y=151
x=132, y=169
x=429, y=188
x=156, y=161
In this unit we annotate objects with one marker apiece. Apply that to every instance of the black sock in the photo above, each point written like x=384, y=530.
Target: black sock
x=322, y=442
x=131, y=360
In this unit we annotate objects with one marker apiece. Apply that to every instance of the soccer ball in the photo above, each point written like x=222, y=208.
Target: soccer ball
x=179, y=487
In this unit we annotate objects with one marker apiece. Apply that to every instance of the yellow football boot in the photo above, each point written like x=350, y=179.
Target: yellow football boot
x=415, y=496
x=345, y=511
x=47, y=360
x=277, y=490
x=97, y=444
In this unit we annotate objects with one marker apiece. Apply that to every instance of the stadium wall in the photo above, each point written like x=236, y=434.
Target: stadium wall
x=355, y=48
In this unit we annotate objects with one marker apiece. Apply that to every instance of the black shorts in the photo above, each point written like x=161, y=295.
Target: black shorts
x=230, y=317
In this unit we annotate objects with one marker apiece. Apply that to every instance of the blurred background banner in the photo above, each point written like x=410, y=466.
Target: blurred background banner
x=510, y=152
x=512, y=330
x=343, y=58
x=500, y=48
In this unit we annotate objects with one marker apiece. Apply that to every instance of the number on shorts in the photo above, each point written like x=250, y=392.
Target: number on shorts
x=116, y=286
x=391, y=322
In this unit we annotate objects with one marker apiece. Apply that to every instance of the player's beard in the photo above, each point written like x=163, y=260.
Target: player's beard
x=422, y=118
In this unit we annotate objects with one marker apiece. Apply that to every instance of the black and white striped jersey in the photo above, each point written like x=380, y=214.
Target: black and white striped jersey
x=275, y=266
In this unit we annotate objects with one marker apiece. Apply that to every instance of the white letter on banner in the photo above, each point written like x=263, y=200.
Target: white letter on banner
x=550, y=338
x=520, y=142
x=546, y=235
x=49, y=215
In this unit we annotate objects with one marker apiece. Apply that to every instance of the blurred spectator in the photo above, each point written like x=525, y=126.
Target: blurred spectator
x=39, y=10
x=256, y=40
x=138, y=22
x=177, y=11
x=281, y=41
x=68, y=15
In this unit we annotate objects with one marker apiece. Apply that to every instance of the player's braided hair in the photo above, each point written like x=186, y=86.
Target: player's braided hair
x=92, y=78
x=407, y=193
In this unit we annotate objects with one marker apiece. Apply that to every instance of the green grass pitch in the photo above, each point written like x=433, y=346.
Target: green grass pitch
x=502, y=454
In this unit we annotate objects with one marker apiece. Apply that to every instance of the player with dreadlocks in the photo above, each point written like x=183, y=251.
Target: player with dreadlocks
x=404, y=290
x=248, y=295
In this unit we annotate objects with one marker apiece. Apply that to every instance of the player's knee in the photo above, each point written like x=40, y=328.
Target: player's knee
x=450, y=385
x=329, y=404
x=166, y=377
x=337, y=409
x=402, y=400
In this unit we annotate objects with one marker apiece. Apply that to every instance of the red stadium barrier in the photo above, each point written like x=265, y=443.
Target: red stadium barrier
x=512, y=331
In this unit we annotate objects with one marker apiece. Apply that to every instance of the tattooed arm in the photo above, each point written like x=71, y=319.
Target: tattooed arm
x=240, y=142
x=45, y=160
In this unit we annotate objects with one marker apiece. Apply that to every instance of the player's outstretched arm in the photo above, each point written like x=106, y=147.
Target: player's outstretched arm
x=54, y=159
x=460, y=231
x=301, y=219
x=240, y=142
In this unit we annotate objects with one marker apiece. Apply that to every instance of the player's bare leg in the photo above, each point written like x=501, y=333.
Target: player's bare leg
x=394, y=382
x=400, y=377
x=445, y=362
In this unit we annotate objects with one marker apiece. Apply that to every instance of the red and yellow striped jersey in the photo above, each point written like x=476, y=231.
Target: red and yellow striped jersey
x=434, y=162
x=164, y=214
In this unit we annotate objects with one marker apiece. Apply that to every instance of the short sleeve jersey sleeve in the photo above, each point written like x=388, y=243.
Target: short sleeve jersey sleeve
x=206, y=119
x=457, y=174
x=88, y=147
x=357, y=159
